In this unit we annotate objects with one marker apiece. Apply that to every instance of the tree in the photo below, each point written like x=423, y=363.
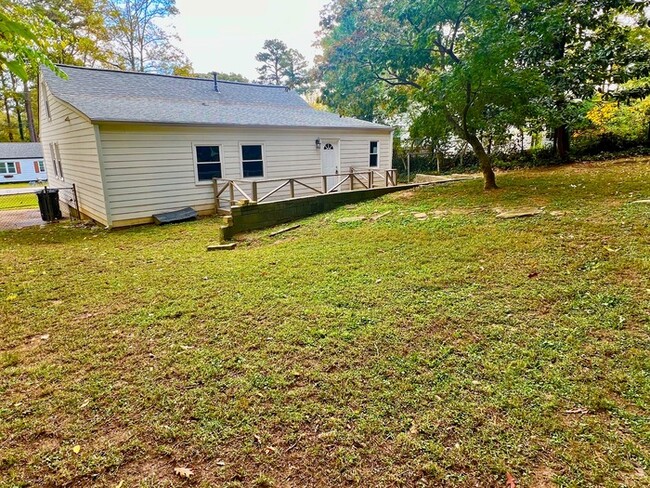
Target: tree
x=225, y=77
x=138, y=43
x=579, y=48
x=21, y=53
x=448, y=60
x=282, y=66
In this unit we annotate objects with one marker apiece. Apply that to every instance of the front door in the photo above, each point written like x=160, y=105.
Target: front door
x=329, y=154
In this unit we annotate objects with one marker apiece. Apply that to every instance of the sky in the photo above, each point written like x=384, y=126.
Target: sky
x=225, y=35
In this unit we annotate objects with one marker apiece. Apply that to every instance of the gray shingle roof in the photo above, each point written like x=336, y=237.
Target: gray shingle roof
x=119, y=96
x=21, y=150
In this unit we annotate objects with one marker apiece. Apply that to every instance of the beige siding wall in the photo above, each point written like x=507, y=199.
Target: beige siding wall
x=79, y=155
x=150, y=169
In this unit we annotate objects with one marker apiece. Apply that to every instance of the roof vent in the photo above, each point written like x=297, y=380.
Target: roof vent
x=216, y=81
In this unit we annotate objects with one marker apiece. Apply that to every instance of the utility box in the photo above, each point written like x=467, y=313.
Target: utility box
x=48, y=204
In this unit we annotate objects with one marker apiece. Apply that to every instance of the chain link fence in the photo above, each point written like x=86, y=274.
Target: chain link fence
x=19, y=205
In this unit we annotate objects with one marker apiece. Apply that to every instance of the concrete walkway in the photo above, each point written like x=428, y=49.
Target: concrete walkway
x=20, y=191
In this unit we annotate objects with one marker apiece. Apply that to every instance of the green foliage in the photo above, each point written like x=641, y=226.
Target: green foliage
x=282, y=65
x=20, y=47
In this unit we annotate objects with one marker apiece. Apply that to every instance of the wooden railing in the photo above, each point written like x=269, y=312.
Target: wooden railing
x=230, y=191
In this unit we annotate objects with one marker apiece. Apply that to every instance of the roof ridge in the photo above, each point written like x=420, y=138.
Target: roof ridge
x=108, y=70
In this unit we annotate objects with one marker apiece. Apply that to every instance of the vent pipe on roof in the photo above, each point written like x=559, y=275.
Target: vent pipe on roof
x=216, y=81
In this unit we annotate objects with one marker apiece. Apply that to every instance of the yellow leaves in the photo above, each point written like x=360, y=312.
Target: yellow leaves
x=602, y=113
x=76, y=449
x=12, y=297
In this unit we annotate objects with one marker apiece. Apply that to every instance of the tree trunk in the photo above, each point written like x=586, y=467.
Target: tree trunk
x=5, y=99
x=29, y=112
x=561, y=142
x=489, y=178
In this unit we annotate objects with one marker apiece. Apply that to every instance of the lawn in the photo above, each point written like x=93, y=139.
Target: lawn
x=454, y=351
x=21, y=201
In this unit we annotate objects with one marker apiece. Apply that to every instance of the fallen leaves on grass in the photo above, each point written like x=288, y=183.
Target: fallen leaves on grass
x=76, y=449
x=579, y=411
x=184, y=472
x=510, y=481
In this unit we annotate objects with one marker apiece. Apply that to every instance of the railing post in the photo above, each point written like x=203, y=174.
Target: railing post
x=371, y=179
x=386, y=182
x=232, y=192
x=292, y=192
x=215, y=189
x=351, y=178
x=324, y=184
x=254, y=184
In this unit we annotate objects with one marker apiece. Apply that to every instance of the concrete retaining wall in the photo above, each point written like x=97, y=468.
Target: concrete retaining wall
x=259, y=216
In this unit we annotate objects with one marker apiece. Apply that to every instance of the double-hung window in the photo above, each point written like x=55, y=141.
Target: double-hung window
x=208, y=163
x=374, y=154
x=41, y=166
x=8, y=168
x=252, y=160
x=55, y=153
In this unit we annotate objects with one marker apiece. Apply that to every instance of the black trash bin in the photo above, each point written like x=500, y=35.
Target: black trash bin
x=48, y=204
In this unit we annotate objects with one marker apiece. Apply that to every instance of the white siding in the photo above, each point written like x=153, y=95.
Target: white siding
x=150, y=169
x=79, y=155
x=28, y=171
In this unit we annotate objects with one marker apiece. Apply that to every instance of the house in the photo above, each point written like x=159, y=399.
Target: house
x=137, y=144
x=21, y=162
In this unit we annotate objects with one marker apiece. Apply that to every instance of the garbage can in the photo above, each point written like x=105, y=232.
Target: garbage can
x=48, y=204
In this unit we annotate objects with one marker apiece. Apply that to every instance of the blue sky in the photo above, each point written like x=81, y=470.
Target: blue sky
x=225, y=35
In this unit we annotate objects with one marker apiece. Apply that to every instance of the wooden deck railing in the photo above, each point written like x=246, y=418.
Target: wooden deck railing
x=230, y=191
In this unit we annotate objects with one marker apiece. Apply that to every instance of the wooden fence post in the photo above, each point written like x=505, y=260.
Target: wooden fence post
x=232, y=192
x=324, y=184
x=351, y=178
x=254, y=189
x=292, y=192
x=215, y=188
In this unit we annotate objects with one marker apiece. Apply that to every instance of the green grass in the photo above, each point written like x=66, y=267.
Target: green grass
x=18, y=202
x=447, y=352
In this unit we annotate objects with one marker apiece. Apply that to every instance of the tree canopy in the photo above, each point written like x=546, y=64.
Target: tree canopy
x=281, y=65
x=474, y=68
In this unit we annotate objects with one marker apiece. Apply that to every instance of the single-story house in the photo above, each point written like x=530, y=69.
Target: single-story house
x=136, y=144
x=21, y=161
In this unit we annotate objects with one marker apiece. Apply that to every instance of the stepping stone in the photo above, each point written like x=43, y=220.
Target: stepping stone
x=557, y=213
x=421, y=216
x=522, y=212
x=222, y=247
x=348, y=220
x=375, y=218
x=642, y=201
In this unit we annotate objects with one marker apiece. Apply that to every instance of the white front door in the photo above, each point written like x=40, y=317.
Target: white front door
x=329, y=157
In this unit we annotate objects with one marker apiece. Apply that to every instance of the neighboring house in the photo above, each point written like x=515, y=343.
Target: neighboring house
x=21, y=161
x=137, y=144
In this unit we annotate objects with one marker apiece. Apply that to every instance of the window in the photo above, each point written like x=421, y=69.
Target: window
x=47, y=104
x=56, y=159
x=8, y=168
x=374, y=154
x=41, y=166
x=53, y=157
x=208, y=162
x=252, y=160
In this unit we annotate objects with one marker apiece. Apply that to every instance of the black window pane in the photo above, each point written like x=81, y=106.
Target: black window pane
x=207, y=154
x=373, y=160
x=373, y=147
x=209, y=171
x=251, y=153
x=253, y=169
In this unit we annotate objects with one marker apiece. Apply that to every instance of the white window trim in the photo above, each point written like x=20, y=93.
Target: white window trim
x=7, y=172
x=370, y=154
x=241, y=160
x=196, y=163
